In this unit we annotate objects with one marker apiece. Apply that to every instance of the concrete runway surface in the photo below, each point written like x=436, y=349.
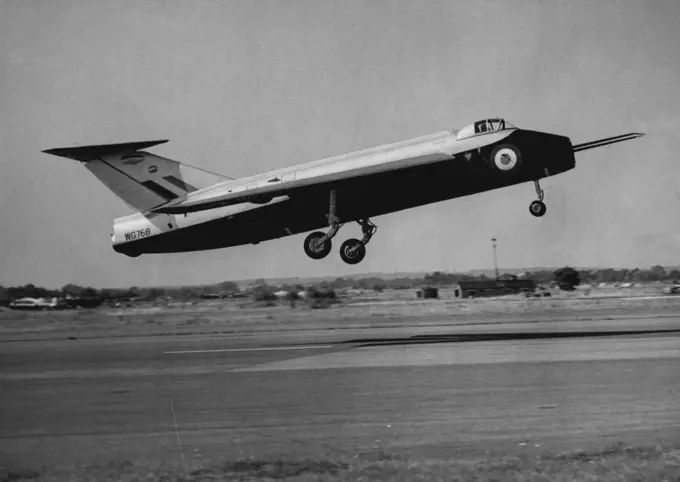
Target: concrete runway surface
x=443, y=392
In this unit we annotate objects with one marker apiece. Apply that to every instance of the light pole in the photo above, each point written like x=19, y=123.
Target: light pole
x=495, y=259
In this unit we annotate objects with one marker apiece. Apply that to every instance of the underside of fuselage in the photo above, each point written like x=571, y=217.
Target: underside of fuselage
x=466, y=173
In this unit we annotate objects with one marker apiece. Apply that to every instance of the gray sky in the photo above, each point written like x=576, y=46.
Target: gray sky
x=244, y=87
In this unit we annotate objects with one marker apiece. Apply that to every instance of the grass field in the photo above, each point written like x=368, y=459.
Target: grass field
x=372, y=310
x=613, y=463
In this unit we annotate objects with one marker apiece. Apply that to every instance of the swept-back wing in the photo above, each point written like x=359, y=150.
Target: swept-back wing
x=261, y=188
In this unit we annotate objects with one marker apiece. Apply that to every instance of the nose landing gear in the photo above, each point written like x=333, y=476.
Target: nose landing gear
x=538, y=208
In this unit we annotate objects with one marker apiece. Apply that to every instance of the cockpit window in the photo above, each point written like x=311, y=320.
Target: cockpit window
x=483, y=127
x=496, y=124
x=489, y=125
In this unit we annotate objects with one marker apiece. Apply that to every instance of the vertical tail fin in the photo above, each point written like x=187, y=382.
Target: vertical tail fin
x=141, y=179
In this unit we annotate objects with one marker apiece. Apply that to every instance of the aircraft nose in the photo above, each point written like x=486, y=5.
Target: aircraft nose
x=556, y=155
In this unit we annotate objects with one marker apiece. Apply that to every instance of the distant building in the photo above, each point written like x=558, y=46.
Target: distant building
x=36, y=304
x=209, y=296
x=485, y=288
x=428, y=292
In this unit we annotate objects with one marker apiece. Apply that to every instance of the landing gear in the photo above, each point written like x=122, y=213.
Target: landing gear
x=353, y=250
x=368, y=229
x=538, y=208
x=315, y=248
x=318, y=245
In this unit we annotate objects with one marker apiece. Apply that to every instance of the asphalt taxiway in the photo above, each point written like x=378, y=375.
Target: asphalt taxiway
x=456, y=391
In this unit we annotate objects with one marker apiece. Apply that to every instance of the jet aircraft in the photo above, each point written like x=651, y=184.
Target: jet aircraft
x=179, y=210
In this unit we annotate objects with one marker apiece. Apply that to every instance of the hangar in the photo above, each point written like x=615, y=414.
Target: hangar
x=481, y=288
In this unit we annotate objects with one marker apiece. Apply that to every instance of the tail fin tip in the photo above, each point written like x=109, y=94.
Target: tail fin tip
x=92, y=152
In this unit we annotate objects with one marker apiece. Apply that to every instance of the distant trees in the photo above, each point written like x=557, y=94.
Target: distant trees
x=658, y=272
x=264, y=293
x=625, y=275
x=674, y=275
x=89, y=292
x=228, y=287
x=567, y=278
x=4, y=296
x=321, y=297
x=439, y=278
x=135, y=291
x=30, y=291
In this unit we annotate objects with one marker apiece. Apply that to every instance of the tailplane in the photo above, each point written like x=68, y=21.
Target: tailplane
x=141, y=179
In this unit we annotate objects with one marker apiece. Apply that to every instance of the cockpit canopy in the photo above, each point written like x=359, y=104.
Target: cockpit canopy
x=483, y=127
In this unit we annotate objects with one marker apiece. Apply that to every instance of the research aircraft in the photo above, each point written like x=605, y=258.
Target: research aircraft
x=183, y=208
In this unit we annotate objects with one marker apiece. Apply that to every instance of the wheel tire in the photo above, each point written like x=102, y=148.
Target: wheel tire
x=505, y=159
x=319, y=252
x=537, y=208
x=352, y=251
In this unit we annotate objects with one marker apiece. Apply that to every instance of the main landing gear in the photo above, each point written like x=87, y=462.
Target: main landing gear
x=538, y=208
x=318, y=245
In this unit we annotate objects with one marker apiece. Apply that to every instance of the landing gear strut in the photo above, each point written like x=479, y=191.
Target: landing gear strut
x=538, y=208
x=353, y=250
x=318, y=245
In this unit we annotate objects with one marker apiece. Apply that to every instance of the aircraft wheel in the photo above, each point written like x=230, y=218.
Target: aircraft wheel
x=537, y=208
x=317, y=252
x=352, y=251
x=506, y=159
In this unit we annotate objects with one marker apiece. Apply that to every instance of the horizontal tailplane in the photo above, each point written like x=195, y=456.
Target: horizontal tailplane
x=143, y=180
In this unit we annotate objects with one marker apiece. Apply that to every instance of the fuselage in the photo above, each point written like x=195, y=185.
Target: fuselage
x=369, y=183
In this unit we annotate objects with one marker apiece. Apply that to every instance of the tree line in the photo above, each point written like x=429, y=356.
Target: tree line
x=436, y=278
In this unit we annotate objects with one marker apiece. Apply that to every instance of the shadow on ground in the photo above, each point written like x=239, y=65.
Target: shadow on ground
x=432, y=339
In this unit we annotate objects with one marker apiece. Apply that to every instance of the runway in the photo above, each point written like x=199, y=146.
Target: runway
x=461, y=391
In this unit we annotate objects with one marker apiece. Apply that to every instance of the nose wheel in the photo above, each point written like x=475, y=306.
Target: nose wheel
x=538, y=208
